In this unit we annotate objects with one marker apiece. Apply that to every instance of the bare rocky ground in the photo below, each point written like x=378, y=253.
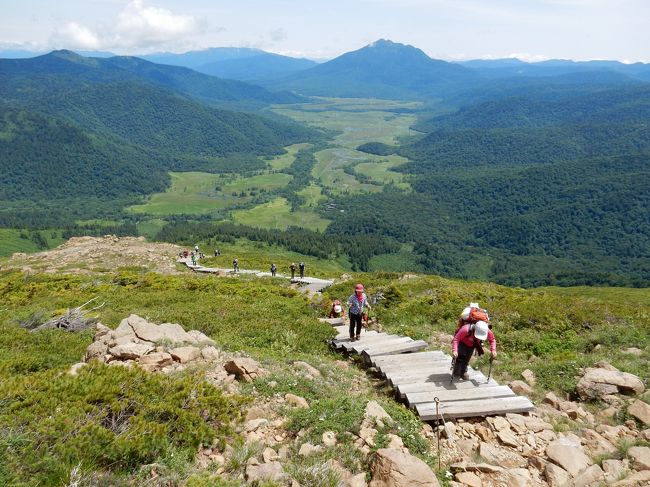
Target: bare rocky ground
x=84, y=255
x=562, y=443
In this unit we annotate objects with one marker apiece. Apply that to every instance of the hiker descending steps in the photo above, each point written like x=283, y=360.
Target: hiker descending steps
x=357, y=303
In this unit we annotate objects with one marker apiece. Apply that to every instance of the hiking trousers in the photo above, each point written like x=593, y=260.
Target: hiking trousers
x=355, y=322
x=464, y=355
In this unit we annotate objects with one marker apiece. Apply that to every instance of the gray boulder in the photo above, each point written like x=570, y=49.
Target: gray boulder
x=397, y=468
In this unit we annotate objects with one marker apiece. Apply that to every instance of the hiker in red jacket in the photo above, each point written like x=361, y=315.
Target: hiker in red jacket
x=469, y=338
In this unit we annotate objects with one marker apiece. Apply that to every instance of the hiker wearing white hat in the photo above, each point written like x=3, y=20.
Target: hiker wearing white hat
x=469, y=338
x=472, y=314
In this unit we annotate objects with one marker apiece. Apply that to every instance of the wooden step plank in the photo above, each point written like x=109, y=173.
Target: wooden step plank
x=417, y=355
x=374, y=337
x=401, y=366
x=459, y=394
x=363, y=343
x=401, y=390
x=360, y=346
x=434, y=378
x=345, y=337
x=423, y=372
x=388, y=360
x=479, y=407
x=412, y=346
x=415, y=372
x=332, y=321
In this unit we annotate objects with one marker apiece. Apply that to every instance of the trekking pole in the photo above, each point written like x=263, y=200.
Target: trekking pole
x=490, y=370
x=437, y=401
x=453, y=364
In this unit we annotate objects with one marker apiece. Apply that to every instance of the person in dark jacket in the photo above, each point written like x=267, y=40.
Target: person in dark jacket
x=357, y=303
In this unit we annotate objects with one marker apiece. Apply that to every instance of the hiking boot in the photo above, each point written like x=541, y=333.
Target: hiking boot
x=465, y=376
x=358, y=337
x=352, y=338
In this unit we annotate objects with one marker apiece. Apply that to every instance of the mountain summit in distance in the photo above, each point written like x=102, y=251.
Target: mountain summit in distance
x=383, y=69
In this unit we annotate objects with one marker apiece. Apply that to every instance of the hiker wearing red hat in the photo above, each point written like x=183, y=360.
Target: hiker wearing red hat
x=357, y=303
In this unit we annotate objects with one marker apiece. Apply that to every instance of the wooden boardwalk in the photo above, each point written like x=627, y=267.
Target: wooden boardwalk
x=311, y=284
x=419, y=377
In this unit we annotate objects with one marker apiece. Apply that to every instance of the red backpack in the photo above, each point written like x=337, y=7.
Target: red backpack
x=476, y=315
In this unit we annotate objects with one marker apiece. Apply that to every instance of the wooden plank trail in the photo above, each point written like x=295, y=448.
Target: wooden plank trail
x=312, y=284
x=418, y=377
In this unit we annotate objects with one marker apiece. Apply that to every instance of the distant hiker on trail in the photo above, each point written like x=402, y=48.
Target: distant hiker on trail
x=469, y=338
x=193, y=258
x=293, y=270
x=185, y=253
x=357, y=303
x=217, y=253
x=337, y=310
x=273, y=269
x=302, y=270
x=235, y=265
x=471, y=315
x=196, y=249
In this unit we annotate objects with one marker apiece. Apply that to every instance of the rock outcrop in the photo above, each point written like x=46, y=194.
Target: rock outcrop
x=153, y=347
x=605, y=379
x=397, y=468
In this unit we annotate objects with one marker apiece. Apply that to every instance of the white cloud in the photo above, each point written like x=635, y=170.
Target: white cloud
x=138, y=25
x=75, y=36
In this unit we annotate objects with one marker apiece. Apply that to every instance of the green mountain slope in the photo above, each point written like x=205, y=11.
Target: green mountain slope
x=42, y=158
x=620, y=105
x=383, y=69
x=61, y=69
x=162, y=120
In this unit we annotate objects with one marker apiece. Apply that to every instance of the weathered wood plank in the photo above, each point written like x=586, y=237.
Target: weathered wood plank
x=393, y=341
x=345, y=338
x=437, y=377
x=399, y=348
x=428, y=353
x=479, y=407
x=332, y=321
x=401, y=366
x=446, y=385
x=359, y=345
x=373, y=337
x=407, y=358
x=459, y=394
x=408, y=372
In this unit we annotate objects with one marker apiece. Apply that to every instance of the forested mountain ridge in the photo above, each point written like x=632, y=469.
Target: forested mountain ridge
x=43, y=158
x=619, y=105
x=160, y=119
x=65, y=68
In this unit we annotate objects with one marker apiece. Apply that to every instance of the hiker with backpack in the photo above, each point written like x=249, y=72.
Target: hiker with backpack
x=235, y=265
x=473, y=313
x=302, y=270
x=469, y=338
x=273, y=270
x=337, y=310
x=293, y=270
x=357, y=303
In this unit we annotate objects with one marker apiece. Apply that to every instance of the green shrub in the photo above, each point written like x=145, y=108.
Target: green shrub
x=106, y=417
x=340, y=415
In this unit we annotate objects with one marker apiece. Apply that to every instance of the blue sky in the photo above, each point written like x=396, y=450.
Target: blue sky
x=444, y=29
